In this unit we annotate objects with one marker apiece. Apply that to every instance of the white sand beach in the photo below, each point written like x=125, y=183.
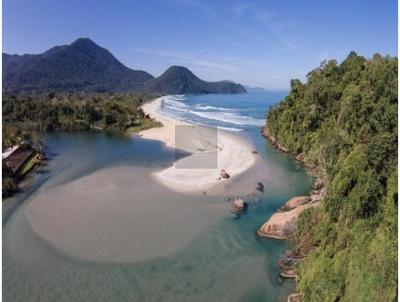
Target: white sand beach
x=196, y=172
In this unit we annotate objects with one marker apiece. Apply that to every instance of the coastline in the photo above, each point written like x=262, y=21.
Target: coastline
x=232, y=153
x=118, y=215
x=282, y=223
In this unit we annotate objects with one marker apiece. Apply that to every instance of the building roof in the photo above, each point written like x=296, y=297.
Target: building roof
x=9, y=151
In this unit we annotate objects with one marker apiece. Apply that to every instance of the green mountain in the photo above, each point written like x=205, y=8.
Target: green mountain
x=82, y=65
x=85, y=66
x=180, y=80
x=343, y=120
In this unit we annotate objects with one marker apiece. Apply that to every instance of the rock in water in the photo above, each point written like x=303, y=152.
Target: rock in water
x=224, y=174
x=260, y=187
x=294, y=202
x=239, y=205
x=282, y=224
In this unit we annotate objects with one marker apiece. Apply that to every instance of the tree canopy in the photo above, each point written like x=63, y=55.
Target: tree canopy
x=344, y=121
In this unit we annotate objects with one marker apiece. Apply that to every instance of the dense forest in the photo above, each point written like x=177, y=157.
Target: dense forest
x=26, y=116
x=343, y=120
x=23, y=115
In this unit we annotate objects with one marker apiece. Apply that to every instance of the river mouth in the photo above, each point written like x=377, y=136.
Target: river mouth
x=97, y=227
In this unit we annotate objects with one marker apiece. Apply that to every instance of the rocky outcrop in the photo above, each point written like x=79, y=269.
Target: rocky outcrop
x=281, y=225
x=318, y=184
x=267, y=134
x=295, y=297
x=288, y=264
x=294, y=203
x=289, y=273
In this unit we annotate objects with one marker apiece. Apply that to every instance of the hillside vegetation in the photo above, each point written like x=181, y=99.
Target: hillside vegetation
x=85, y=66
x=80, y=66
x=25, y=115
x=180, y=80
x=344, y=122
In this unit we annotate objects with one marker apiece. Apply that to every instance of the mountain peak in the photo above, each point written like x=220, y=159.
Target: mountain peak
x=180, y=80
x=180, y=71
x=177, y=68
x=84, y=65
x=84, y=41
x=81, y=65
x=87, y=44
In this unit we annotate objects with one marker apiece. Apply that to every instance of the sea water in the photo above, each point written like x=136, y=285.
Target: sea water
x=225, y=261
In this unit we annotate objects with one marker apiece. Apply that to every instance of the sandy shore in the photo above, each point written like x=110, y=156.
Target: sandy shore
x=119, y=214
x=210, y=151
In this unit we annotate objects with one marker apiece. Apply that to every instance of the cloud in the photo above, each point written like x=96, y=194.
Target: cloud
x=270, y=22
x=187, y=58
x=240, y=8
x=213, y=67
x=274, y=27
x=199, y=5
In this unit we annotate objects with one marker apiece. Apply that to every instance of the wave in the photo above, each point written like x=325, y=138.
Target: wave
x=212, y=126
x=207, y=107
x=230, y=129
x=177, y=108
x=179, y=97
x=229, y=117
x=175, y=103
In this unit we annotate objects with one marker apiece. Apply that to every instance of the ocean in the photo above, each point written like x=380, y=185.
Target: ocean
x=232, y=112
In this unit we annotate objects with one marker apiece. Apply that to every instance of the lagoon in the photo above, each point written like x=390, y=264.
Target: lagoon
x=140, y=241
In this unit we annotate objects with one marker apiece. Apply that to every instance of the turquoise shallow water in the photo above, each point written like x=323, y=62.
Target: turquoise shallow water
x=224, y=262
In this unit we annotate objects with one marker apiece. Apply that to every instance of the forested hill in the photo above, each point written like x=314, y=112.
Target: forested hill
x=344, y=121
x=86, y=67
x=80, y=66
x=180, y=80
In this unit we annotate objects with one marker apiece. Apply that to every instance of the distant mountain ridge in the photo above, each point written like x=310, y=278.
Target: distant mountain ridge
x=180, y=80
x=256, y=89
x=85, y=66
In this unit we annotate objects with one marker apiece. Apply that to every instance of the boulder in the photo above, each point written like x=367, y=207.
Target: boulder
x=282, y=224
x=239, y=205
x=224, y=174
x=278, y=226
x=300, y=157
x=295, y=202
x=282, y=148
x=291, y=273
x=318, y=184
x=295, y=297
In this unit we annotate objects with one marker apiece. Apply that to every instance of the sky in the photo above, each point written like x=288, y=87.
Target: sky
x=256, y=43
